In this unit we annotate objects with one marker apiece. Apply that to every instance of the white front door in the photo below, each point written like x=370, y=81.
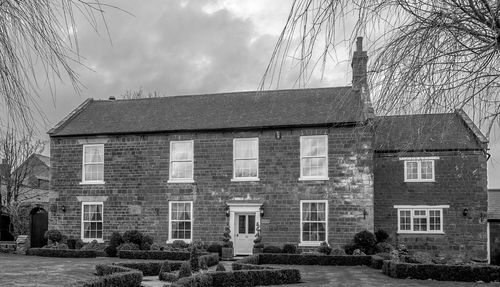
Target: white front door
x=244, y=233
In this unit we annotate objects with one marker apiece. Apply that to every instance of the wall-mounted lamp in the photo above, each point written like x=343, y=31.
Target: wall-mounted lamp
x=157, y=211
x=365, y=213
x=261, y=209
x=465, y=212
x=63, y=208
x=482, y=217
x=227, y=210
x=277, y=135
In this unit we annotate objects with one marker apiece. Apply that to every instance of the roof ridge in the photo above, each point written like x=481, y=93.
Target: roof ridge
x=225, y=93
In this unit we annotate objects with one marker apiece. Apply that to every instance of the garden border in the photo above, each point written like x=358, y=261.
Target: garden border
x=113, y=275
x=63, y=253
x=155, y=255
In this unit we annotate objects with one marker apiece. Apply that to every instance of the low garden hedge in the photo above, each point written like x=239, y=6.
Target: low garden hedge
x=112, y=276
x=377, y=262
x=314, y=259
x=441, y=272
x=154, y=255
x=211, y=259
x=65, y=253
x=242, y=278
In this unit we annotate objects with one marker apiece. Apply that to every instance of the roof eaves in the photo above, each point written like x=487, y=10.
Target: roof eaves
x=472, y=127
x=69, y=117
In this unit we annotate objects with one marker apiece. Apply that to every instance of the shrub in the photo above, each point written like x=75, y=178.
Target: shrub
x=290, y=248
x=53, y=235
x=324, y=248
x=272, y=249
x=106, y=269
x=402, y=250
x=179, y=244
x=198, y=244
x=154, y=255
x=313, y=259
x=220, y=267
x=155, y=247
x=377, y=262
x=71, y=243
x=148, y=268
x=381, y=235
x=65, y=253
x=226, y=238
x=358, y=252
x=62, y=246
x=257, y=242
x=185, y=270
x=128, y=246
x=113, y=276
x=133, y=236
x=79, y=244
x=146, y=242
x=215, y=247
x=365, y=241
x=194, y=259
x=385, y=256
x=203, y=263
x=168, y=276
x=211, y=259
x=338, y=252
x=94, y=245
x=349, y=248
x=383, y=247
x=115, y=241
x=165, y=267
x=255, y=277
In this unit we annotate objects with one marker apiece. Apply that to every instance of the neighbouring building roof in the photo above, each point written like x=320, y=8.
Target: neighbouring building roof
x=449, y=131
x=44, y=159
x=298, y=107
x=493, y=204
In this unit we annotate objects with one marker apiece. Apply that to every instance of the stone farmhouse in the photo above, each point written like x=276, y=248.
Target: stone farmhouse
x=308, y=165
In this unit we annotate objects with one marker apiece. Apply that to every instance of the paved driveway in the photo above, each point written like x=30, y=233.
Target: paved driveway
x=357, y=276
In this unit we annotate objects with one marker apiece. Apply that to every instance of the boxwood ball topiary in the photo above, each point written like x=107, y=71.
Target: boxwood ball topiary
x=53, y=235
x=185, y=270
x=133, y=236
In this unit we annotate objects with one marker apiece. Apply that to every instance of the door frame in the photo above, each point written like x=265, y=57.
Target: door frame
x=248, y=207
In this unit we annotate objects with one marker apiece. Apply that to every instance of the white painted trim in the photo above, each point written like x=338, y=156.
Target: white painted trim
x=100, y=240
x=235, y=178
x=97, y=182
x=83, y=165
x=488, y=247
x=245, y=208
x=313, y=243
x=432, y=232
x=421, y=206
x=420, y=158
x=302, y=177
x=170, y=239
x=181, y=180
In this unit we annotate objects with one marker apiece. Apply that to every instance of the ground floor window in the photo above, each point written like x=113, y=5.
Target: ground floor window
x=313, y=221
x=181, y=220
x=92, y=214
x=420, y=219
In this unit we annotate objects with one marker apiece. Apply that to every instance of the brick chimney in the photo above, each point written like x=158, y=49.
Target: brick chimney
x=359, y=66
x=360, y=78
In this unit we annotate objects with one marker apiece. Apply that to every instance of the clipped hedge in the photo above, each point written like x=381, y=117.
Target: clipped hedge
x=154, y=255
x=65, y=253
x=249, y=263
x=113, y=276
x=377, y=262
x=241, y=278
x=314, y=259
x=212, y=259
x=441, y=272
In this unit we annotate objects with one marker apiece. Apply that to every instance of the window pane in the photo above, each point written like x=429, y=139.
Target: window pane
x=434, y=220
x=411, y=169
x=94, y=154
x=245, y=149
x=182, y=170
x=241, y=224
x=313, y=147
x=182, y=151
x=251, y=224
x=314, y=167
x=426, y=169
x=245, y=168
x=404, y=220
x=420, y=224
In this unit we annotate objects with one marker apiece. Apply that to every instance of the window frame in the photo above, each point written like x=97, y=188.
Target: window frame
x=235, y=178
x=313, y=243
x=84, y=180
x=181, y=180
x=427, y=209
x=100, y=240
x=302, y=157
x=419, y=161
x=170, y=239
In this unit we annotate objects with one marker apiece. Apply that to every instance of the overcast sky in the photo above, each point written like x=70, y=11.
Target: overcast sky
x=179, y=47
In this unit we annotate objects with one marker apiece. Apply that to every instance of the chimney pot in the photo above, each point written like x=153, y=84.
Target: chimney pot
x=112, y=98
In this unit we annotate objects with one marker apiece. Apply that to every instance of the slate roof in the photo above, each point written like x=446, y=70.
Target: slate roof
x=450, y=131
x=44, y=159
x=255, y=109
x=494, y=204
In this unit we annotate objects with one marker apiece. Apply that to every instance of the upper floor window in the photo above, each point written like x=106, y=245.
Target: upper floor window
x=181, y=161
x=313, y=222
x=420, y=219
x=181, y=220
x=246, y=159
x=92, y=221
x=419, y=169
x=93, y=163
x=314, y=157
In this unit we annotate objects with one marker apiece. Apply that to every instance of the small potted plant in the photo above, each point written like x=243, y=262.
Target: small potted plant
x=258, y=246
x=227, y=245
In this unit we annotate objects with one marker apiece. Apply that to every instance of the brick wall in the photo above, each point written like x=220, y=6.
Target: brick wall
x=136, y=174
x=460, y=182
